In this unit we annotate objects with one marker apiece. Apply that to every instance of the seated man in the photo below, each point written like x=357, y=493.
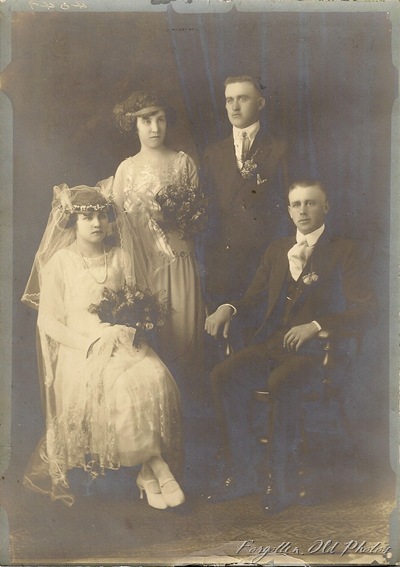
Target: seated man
x=309, y=282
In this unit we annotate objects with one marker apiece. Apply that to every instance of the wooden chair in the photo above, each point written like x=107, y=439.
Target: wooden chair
x=322, y=390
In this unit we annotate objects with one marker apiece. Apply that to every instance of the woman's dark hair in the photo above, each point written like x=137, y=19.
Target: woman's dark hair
x=74, y=216
x=88, y=200
x=125, y=112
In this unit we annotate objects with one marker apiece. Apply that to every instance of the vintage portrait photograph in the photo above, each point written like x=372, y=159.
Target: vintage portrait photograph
x=199, y=282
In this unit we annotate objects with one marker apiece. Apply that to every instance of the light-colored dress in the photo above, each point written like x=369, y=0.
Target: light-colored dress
x=101, y=411
x=171, y=264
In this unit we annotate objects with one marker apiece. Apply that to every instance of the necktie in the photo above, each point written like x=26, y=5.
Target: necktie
x=245, y=146
x=298, y=256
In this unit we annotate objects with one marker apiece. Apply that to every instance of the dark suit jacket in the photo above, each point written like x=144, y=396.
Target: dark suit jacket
x=341, y=299
x=245, y=214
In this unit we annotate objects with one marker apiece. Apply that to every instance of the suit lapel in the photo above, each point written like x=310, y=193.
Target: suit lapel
x=225, y=160
x=280, y=274
x=261, y=153
x=234, y=183
x=315, y=264
x=228, y=159
x=320, y=255
x=260, y=147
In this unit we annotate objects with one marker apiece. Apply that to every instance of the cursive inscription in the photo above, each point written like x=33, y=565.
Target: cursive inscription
x=44, y=5
x=319, y=546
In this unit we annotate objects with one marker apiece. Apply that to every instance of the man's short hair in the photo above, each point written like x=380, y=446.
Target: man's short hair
x=244, y=79
x=308, y=183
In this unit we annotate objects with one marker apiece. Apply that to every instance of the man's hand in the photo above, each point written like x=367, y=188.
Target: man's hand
x=299, y=335
x=219, y=320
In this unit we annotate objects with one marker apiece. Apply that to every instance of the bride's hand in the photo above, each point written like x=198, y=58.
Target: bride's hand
x=111, y=336
x=125, y=335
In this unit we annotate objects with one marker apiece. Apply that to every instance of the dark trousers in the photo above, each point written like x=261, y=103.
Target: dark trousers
x=233, y=381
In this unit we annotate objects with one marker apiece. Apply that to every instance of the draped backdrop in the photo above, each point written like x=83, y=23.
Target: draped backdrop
x=329, y=86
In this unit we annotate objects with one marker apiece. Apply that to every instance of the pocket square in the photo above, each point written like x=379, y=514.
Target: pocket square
x=259, y=180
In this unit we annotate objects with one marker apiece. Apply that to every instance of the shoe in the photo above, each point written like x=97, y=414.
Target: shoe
x=172, y=492
x=153, y=492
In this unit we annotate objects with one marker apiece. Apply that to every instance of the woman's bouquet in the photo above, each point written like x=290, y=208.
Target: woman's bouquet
x=133, y=307
x=184, y=208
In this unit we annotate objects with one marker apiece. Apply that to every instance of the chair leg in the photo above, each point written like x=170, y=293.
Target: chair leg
x=276, y=495
x=271, y=500
x=269, y=494
x=302, y=476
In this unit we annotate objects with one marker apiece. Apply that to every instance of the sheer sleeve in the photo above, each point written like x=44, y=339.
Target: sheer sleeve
x=51, y=319
x=119, y=185
x=192, y=170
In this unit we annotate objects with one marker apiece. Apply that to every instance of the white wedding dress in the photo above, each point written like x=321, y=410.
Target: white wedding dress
x=101, y=412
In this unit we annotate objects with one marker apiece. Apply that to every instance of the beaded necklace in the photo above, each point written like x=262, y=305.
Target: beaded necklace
x=88, y=267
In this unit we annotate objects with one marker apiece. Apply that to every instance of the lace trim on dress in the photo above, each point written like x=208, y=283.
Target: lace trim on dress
x=140, y=196
x=150, y=180
x=181, y=254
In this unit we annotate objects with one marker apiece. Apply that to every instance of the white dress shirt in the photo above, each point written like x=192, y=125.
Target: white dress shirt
x=312, y=239
x=251, y=131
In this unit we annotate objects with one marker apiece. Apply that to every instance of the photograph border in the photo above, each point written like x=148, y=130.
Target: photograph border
x=7, y=8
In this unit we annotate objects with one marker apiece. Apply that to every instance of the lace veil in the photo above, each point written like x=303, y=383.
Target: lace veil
x=60, y=233
x=46, y=472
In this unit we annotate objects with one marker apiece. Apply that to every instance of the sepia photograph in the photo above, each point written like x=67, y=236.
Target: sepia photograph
x=199, y=290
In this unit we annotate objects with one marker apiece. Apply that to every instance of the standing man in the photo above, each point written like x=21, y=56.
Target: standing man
x=245, y=176
x=307, y=282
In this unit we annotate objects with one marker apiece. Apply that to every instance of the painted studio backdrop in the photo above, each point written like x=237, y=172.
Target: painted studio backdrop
x=329, y=88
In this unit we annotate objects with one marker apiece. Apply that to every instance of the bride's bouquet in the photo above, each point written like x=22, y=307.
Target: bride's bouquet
x=184, y=208
x=133, y=307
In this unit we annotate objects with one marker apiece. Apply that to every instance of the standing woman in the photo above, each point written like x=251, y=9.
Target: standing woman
x=143, y=186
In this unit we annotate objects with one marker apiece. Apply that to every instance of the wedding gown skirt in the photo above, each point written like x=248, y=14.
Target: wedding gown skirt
x=100, y=413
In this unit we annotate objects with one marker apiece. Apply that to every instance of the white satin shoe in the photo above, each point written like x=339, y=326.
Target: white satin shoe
x=153, y=492
x=172, y=492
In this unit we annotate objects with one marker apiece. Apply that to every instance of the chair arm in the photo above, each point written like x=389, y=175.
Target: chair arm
x=328, y=339
x=325, y=338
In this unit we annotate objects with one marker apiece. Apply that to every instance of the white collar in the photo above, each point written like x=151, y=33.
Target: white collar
x=251, y=131
x=312, y=237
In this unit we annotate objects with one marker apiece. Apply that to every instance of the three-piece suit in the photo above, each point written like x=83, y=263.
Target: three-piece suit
x=333, y=290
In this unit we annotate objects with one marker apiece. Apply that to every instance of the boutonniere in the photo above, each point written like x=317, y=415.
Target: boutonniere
x=310, y=278
x=248, y=170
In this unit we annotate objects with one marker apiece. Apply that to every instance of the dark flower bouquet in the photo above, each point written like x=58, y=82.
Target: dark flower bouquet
x=133, y=307
x=184, y=208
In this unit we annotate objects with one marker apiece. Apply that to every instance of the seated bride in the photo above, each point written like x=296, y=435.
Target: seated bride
x=109, y=400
